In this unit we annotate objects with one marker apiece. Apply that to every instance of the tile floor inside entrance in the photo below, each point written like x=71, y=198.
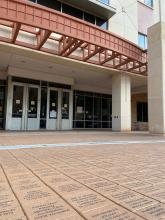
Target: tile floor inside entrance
x=109, y=181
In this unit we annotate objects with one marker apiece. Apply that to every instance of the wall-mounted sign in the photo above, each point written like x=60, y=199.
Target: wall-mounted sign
x=18, y=102
x=32, y=102
x=53, y=114
x=79, y=109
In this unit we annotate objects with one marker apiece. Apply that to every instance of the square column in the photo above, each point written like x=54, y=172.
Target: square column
x=156, y=78
x=121, y=102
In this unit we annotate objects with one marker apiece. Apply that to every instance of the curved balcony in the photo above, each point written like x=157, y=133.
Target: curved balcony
x=30, y=25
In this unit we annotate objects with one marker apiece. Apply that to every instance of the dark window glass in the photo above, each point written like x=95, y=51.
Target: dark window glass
x=89, y=124
x=105, y=110
x=53, y=104
x=97, y=124
x=43, y=108
x=72, y=11
x=101, y=23
x=105, y=125
x=106, y=2
x=142, y=112
x=97, y=109
x=88, y=108
x=35, y=1
x=33, y=102
x=142, y=41
x=149, y=2
x=17, y=101
x=110, y=109
x=2, y=104
x=89, y=18
x=50, y=4
x=78, y=124
x=79, y=108
x=65, y=105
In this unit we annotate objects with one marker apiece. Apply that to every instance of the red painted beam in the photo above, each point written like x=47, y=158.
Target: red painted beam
x=122, y=63
x=73, y=48
x=15, y=32
x=93, y=53
x=66, y=43
x=42, y=38
x=70, y=34
x=114, y=55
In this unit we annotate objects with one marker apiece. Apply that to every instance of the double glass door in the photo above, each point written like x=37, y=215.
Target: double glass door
x=35, y=108
x=25, y=107
x=2, y=105
x=58, y=109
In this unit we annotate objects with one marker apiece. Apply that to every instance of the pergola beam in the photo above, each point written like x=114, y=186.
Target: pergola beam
x=15, y=32
x=122, y=63
x=42, y=38
x=136, y=67
x=76, y=45
x=92, y=44
x=66, y=43
x=114, y=55
x=93, y=53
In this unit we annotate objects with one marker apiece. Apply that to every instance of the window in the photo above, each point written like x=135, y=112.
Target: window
x=43, y=107
x=106, y=2
x=17, y=101
x=142, y=112
x=72, y=11
x=148, y=2
x=2, y=103
x=92, y=110
x=49, y=3
x=33, y=102
x=65, y=105
x=101, y=23
x=89, y=18
x=142, y=41
x=53, y=104
x=75, y=12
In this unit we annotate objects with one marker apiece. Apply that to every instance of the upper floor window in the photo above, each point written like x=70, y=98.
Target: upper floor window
x=49, y=3
x=70, y=10
x=106, y=2
x=148, y=2
x=142, y=41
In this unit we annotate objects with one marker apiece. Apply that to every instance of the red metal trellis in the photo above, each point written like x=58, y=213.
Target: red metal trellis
x=57, y=33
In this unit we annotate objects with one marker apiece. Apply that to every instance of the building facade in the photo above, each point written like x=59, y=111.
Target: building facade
x=67, y=64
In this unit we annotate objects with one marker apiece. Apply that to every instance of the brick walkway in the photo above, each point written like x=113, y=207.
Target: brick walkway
x=98, y=182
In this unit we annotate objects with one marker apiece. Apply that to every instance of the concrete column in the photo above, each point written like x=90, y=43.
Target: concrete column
x=121, y=102
x=156, y=77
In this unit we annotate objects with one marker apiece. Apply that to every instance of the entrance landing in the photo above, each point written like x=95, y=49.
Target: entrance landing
x=100, y=176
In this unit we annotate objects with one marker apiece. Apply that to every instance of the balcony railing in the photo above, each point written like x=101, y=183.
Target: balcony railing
x=57, y=33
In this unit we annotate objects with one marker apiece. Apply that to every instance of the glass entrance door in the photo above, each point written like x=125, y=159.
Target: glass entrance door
x=52, y=109
x=33, y=116
x=58, y=110
x=2, y=105
x=17, y=107
x=66, y=120
x=25, y=107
